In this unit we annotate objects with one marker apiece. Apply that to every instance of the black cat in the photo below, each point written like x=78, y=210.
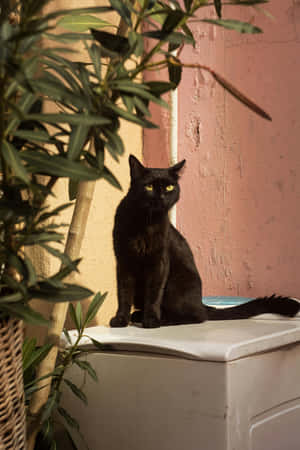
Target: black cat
x=156, y=271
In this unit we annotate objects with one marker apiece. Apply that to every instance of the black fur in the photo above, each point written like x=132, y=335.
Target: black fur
x=156, y=271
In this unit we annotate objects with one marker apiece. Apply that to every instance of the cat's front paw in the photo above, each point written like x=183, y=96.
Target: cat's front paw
x=151, y=322
x=118, y=321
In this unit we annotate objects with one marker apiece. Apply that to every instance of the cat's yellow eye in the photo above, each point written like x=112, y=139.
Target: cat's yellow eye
x=149, y=187
x=170, y=187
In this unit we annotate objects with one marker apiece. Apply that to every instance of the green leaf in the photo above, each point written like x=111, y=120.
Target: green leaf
x=51, y=405
x=29, y=345
x=39, y=237
x=242, y=27
x=73, y=189
x=71, y=440
x=11, y=298
x=68, y=418
x=31, y=273
x=100, y=346
x=65, y=259
x=58, y=166
x=33, y=357
x=12, y=158
x=173, y=19
x=114, y=143
x=26, y=313
x=94, y=308
x=95, y=55
x=85, y=365
x=77, y=141
x=121, y=8
x=76, y=390
x=81, y=23
x=239, y=96
x=131, y=117
x=67, y=334
x=70, y=292
x=72, y=119
x=138, y=89
x=34, y=135
x=160, y=87
x=175, y=70
x=79, y=315
x=73, y=316
x=108, y=176
x=174, y=38
x=115, y=43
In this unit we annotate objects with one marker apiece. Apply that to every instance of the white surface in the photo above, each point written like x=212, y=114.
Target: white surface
x=210, y=341
x=157, y=402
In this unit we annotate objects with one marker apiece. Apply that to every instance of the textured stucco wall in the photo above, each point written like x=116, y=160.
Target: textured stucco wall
x=239, y=207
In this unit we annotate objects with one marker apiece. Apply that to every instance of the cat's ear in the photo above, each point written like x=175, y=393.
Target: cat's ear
x=136, y=168
x=176, y=169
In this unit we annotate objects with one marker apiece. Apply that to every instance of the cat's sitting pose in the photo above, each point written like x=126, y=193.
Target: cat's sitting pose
x=156, y=271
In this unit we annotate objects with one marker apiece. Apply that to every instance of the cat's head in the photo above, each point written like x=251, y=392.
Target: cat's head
x=154, y=189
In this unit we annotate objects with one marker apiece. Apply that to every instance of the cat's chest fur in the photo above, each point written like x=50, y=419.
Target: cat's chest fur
x=137, y=240
x=149, y=241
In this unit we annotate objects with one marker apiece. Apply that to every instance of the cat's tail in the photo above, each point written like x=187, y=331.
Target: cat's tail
x=284, y=306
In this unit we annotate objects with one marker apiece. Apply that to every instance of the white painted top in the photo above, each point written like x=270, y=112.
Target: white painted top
x=210, y=341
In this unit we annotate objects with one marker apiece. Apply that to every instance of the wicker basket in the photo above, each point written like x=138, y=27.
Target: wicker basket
x=12, y=407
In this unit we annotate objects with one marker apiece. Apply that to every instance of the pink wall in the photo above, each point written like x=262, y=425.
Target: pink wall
x=239, y=206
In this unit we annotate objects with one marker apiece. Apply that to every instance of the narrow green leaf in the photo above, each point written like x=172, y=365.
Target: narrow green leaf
x=51, y=404
x=174, y=37
x=71, y=440
x=85, y=365
x=160, y=87
x=131, y=117
x=95, y=55
x=239, y=96
x=36, y=356
x=175, y=70
x=68, y=418
x=81, y=23
x=70, y=292
x=31, y=276
x=78, y=312
x=73, y=189
x=114, y=143
x=76, y=390
x=94, y=308
x=67, y=334
x=140, y=105
x=77, y=141
x=72, y=119
x=12, y=158
x=11, y=298
x=28, y=348
x=59, y=166
x=26, y=313
x=102, y=347
x=114, y=43
x=108, y=176
x=73, y=316
x=34, y=135
x=173, y=19
x=241, y=27
x=58, y=254
x=121, y=8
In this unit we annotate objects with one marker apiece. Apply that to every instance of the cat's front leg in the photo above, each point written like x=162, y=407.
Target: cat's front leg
x=126, y=288
x=154, y=291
